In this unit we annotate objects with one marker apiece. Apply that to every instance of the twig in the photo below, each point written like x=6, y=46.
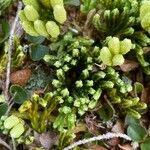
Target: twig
x=100, y=137
x=14, y=144
x=5, y=144
x=10, y=48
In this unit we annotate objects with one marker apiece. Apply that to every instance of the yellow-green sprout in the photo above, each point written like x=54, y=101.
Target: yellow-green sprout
x=113, y=54
x=47, y=25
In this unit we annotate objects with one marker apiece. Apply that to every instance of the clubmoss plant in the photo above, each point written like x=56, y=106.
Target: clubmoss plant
x=79, y=82
x=116, y=18
x=47, y=24
x=127, y=104
x=38, y=110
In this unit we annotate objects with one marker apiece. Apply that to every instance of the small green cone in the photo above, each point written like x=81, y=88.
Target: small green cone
x=40, y=28
x=60, y=14
x=31, y=13
x=118, y=60
x=11, y=121
x=17, y=131
x=53, y=29
x=56, y=2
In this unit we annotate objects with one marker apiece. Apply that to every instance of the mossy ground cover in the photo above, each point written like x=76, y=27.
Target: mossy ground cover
x=72, y=70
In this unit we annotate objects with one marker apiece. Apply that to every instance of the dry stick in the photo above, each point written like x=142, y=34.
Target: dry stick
x=10, y=48
x=100, y=137
x=5, y=144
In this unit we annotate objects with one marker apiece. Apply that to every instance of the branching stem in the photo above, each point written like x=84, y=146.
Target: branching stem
x=100, y=137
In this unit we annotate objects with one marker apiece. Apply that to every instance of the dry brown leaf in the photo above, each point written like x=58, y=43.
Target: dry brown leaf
x=145, y=96
x=118, y=127
x=48, y=139
x=129, y=65
x=20, y=77
x=125, y=147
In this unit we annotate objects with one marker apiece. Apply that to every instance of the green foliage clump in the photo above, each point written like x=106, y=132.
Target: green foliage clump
x=79, y=82
x=127, y=104
x=3, y=5
x=18, y=56
x=38, y=110
x=116, y=17
x=113, y=54
x=41, y=18
x=15, y=128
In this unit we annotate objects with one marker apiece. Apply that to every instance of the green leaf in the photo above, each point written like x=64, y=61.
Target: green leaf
x=36, y=40
x=146, y=144
x=130, y=120
x=5, y=31
x=3, y=109
x=19, y=93
x=37, y=52
x=138, y=87
x=137, y=132
x=72, y=2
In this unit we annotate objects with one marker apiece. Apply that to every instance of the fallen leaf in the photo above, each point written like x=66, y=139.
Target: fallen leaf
x=145, y=96
x=129, y=65
x=118, y=127
x=20, y=77
x=48, y=139
x=125, y=147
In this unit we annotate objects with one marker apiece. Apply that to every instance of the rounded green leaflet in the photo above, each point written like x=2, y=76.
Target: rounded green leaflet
x=137, y=132
x=17, y=131
x=34, y=3
x=146, y=22
x=53, y=29
x=134, y=113
x=29, y=28
x=22, y=16
x=56, y=2
x=60, y=14
x=125, y=46
x=31, y=13
x=65, y=92
x=114, y=45
x=144, y=9
x=117, y=60
x=40, y=28
x=92, y=104
x=11, y=121
x=46, y=3
x=106, y=56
